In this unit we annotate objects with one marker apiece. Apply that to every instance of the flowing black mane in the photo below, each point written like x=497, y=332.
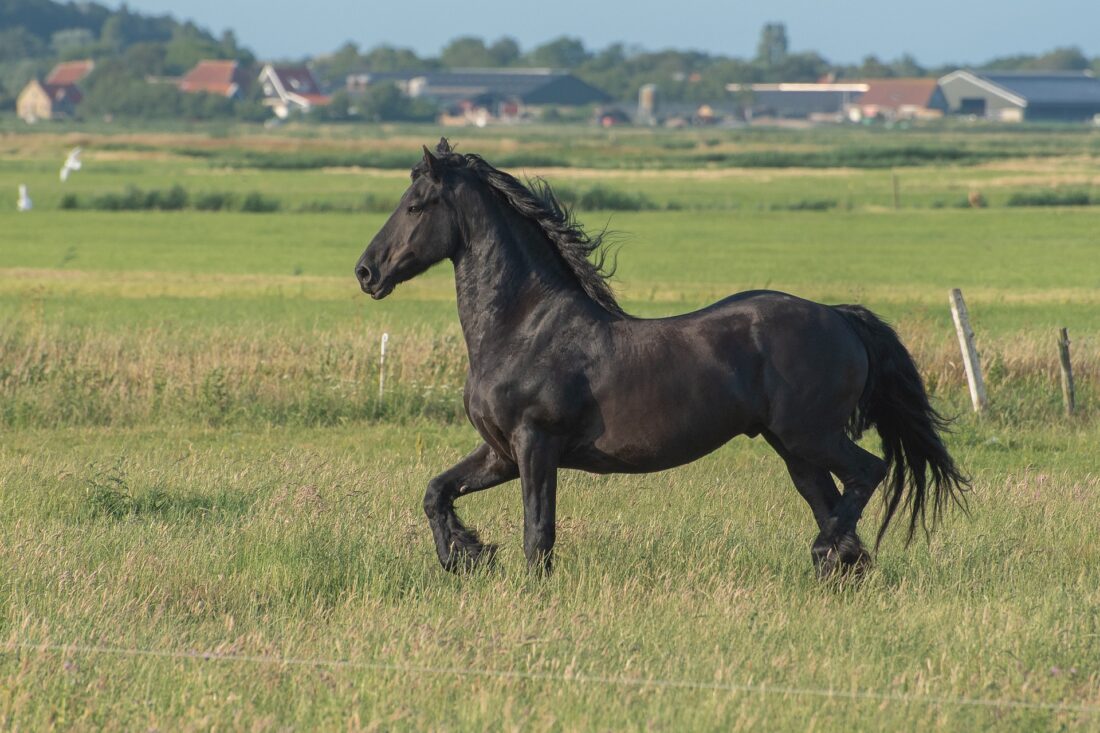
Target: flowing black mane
x=538, y=203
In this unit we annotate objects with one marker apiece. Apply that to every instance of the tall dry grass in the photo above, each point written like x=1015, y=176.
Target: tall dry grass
x=53, y=376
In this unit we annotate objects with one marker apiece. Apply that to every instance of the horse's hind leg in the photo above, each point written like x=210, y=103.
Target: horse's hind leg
x=860, y=472
x=458, y=546
x=838, y=547
x=813, y=482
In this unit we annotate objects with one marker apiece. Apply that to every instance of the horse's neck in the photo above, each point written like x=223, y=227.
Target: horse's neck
x=505, y=274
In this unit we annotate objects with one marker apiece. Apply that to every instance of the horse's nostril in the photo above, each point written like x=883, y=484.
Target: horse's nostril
x=364, y=274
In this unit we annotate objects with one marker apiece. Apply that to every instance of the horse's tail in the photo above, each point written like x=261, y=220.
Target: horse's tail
x=895, y=402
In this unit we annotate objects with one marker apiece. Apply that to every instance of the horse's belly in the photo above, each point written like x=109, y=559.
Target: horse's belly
x=662, y=438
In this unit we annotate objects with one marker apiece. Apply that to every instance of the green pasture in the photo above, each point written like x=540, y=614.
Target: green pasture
x=210, y=519
x=1022, y=269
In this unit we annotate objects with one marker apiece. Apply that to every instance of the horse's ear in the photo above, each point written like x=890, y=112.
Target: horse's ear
x=443, y=147
x=432, y=165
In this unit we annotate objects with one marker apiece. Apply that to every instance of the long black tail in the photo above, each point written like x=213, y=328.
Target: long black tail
x=895, y=402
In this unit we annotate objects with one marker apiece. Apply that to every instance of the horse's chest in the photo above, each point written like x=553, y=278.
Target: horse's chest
x=498, y=403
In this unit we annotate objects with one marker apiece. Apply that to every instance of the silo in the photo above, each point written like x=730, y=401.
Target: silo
x=647, y=105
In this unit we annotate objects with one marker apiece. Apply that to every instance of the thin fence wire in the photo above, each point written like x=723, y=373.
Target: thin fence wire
x=578, y=679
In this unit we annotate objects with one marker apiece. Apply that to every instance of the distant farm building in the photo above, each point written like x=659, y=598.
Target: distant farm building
x=57, y=96
x=899, y=99
x=1015, y=96
x=223, y=78
x=70, y=72
x=818, y=102
x=477, y=96
x=290, y=89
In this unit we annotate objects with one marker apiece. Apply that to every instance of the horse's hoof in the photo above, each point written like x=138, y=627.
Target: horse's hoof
x=853, y=554
x=847, y=557
x=469, y=557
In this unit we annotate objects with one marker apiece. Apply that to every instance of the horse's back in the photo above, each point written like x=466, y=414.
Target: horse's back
x=666, y=391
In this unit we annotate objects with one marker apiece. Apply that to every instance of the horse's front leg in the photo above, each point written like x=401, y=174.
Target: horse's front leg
x=459, y=547
x=538, y=456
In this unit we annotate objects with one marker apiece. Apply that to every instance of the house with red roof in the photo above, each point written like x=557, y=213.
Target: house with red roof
x=70, y=72
x=55, y=97
x=223, y=78
x=289, y=89
x=899, y=99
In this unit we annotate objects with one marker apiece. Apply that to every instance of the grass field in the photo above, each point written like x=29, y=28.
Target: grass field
x=209, y=519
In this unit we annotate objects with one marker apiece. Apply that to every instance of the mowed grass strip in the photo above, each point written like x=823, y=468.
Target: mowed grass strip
x=311, y=545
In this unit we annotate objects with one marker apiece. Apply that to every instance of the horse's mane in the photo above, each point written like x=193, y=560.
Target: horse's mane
x=584, y=255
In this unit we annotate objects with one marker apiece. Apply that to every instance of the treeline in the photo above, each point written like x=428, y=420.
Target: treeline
x=680, y=75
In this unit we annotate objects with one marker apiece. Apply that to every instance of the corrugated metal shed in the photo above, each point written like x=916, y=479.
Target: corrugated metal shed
x=1019, y=95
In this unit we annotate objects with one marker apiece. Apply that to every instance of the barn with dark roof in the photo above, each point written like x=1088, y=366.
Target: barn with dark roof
x=1067, y=96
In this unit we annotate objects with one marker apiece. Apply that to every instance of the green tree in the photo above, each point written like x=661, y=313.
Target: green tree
x=113, y=34
x=561, y=53
x=771, y=51
x=334, y=68
x=388, y=58
x=17, y=44
x=385, y=102
x=147, y=56
x=466, y=52
x=14, y=75
x=187, y=47
x=872, y=68
x=504, y=51
x=71, y=38
x=907, y=67
x=339, y=109
x=1062, y=59
x=806, y=67
x=230, y=49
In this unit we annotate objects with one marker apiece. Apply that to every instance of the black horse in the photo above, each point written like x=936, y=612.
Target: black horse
x=561, y=377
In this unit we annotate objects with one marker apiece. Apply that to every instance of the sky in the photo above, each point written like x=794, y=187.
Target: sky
x=934, y=31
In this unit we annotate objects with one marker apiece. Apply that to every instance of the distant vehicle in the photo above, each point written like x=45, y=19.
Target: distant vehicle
x=612, y=118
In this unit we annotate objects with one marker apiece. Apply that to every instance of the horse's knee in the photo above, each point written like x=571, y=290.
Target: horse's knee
x=436, y=497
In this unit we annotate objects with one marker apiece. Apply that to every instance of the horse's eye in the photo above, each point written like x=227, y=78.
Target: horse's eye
x=415, y=209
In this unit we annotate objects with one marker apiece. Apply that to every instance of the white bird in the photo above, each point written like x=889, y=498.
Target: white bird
x=24, y=203
x=72, y=163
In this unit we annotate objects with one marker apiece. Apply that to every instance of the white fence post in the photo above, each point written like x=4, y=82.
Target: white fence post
x=382, y=367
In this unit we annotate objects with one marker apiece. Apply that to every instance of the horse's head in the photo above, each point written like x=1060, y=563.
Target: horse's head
x=423, y=230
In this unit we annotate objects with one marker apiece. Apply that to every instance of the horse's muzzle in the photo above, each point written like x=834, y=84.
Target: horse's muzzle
x=364, y=275
x=373, y=285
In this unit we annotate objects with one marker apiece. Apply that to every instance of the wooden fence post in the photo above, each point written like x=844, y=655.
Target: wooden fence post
x=897, y=191
x=382, y=367
x=1068, y=393
x=969, y=351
